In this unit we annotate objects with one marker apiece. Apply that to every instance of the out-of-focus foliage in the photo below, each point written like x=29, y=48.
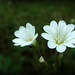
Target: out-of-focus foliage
x=17, y=60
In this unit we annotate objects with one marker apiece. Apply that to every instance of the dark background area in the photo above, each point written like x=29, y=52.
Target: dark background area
x=24, y=60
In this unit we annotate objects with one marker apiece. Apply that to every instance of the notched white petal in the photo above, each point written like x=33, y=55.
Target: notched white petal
x=21, y=28
x=61, y=48
x=23, y=33
x=30, y=29
x=70, y=27
x=71, y=35
x=22, y=45
x=51, y=45
x=53, y=23
x=62, y=22
x=69, y=44
x=18, y=41
x=16, y=33
x=45, y=36
x=72, y=41
x=35, y=36
x=28, y=25
x=46, y=28
x=62, y=26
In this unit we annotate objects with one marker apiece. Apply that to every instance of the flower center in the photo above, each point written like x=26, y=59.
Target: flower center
x=28, y=40
x=60, y=39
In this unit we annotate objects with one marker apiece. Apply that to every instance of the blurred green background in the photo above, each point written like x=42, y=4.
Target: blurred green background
x=24, y=60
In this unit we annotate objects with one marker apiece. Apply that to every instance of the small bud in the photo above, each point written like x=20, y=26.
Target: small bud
x=72, y=20
x=41, y=59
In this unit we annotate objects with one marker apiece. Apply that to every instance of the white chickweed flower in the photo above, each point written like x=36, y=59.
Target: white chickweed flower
x=59, y=35
x=41, y=59
x=25, y=36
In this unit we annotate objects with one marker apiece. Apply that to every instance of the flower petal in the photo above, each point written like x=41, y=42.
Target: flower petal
x=61, y=23
x=51, y=45
x=16, y=33
x=62, y=26
x=47, y=37
x=70, y=27
x=70, y=36
x=46, y=28
x=22, y=32
x=31, y=29
x=35, y=36
x=72, y=41
x=69, y=44
x=61, y=48
x=26, y=44
x=16, y=44
x=28, y=25
x=21, y=42
x=25, y=33
x=18, y=41
x=53, y=25
x=50, y=30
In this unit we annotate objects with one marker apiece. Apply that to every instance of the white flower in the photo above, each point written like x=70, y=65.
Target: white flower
x=59, y=35
x=41, y=59
x=25, y=36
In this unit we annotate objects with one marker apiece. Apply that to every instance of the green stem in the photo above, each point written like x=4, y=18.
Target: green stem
x=55, y=64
